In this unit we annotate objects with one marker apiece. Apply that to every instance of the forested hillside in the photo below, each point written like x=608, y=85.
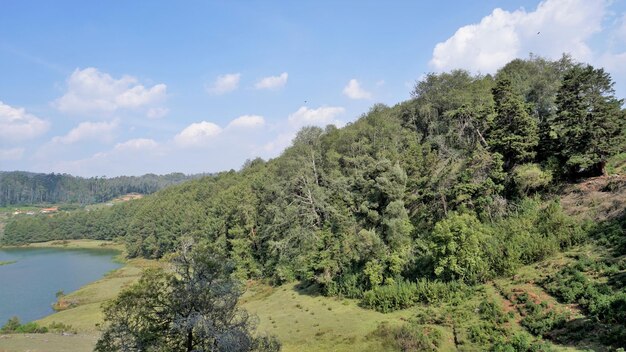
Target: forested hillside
x=422, y=202
x=27, y=188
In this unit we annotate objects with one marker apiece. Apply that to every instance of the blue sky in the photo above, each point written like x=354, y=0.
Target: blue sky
x=129, y=87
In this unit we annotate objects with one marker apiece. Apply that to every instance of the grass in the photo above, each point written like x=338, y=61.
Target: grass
x=78, y=244
x=47, y=342
x=305, y=321
x=7, y=262
x=88, y=299
x=84, y=317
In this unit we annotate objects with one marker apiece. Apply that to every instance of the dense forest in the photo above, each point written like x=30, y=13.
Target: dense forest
x=421, y=202
x=27, y=188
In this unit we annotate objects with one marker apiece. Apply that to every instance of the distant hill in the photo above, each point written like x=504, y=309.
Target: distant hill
x=28, y=188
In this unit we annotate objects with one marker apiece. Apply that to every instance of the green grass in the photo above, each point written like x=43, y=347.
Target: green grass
x=7, y=262
x=307, y=322
x=47, y=343
x=617, y=164
x=88, y=299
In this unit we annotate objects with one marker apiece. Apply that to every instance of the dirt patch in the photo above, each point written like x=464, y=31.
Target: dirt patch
x=597, y=198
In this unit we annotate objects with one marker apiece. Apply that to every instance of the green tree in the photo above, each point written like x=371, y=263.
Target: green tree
x=589, y=124
x=514, y=134
x=191, y=308
x=457, y=249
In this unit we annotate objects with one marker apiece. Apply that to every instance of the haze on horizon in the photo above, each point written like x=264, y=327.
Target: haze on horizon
x=133, y=88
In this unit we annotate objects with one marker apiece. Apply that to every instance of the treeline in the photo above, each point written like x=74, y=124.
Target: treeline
x=27, y=188
x=452, y=186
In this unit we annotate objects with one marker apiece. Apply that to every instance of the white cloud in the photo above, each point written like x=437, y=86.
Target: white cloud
x=354, y=91
x=225, y=83
x=137, y=144
x=18, y=125
x=284, y=133
x=247, y=121
x=157, y=113
x=100, y=131
x=554, y=28
x=11, y=154
x=315, y=117
x=90, y=91
x=197, y=134
x=272, y=82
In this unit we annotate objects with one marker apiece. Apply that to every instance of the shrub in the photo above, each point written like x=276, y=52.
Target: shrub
x=402, y=294
x=530, y=178
x=539, y=320
x=409, y=337
x=13, y=326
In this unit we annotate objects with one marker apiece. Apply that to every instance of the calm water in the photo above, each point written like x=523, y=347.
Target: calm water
x=28, y=286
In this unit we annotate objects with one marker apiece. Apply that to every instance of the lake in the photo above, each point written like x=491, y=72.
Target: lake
x=29, y=285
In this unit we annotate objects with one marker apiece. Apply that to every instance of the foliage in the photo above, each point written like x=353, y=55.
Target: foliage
x=530, y=178
x=401, y=295
x=13, y=326
x=409, y=337
x=20, y=187
x=457, y=247
x=193, y=308
x=514, y=133
x=589, y=125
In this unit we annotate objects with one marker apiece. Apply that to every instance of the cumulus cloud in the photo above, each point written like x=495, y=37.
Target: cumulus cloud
x=354, y=91
x=137, y=144
x=92, y=91
x=157, y=113
x=553, y=28
x=247, y=121
x=100, y=131
x=197, y=134
x=225, y=83
x=272, y=82
x=315, y=117
x=304, y=116
x=11, y=154
x=18, y=125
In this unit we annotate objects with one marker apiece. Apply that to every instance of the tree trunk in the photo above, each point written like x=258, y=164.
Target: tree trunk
x=190, y=341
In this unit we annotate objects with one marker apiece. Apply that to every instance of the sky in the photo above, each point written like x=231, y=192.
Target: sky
x=108, y=88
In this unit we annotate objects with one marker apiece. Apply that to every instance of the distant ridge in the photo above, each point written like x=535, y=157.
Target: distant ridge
x=29, y=188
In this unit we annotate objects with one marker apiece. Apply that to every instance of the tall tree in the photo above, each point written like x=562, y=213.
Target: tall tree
x=589, y=124
x=193, y=308
x=514, y=133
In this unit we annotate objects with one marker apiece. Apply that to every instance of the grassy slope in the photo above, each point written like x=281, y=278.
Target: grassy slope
x=305, y=321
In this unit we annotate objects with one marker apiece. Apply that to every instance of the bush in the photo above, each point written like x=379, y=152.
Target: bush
x=521, y=343
x=409, y=337
x=13, y=326
x=539, y=320
x=530, y=178
x=402, y=294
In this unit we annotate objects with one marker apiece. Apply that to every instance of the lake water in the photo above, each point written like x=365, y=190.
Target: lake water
x=28, y=286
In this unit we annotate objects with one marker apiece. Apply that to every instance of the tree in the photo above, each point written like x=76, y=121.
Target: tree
x=193, y=307
x=589, y=124
x=514, y=134
x=457, y=248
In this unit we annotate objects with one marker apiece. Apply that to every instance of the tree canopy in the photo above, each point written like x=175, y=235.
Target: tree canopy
x=191, y=307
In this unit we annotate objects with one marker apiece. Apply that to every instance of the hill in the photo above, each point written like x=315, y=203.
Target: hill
x=27, y=188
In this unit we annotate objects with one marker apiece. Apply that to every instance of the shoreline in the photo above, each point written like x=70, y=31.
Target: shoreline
x=71, y=244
